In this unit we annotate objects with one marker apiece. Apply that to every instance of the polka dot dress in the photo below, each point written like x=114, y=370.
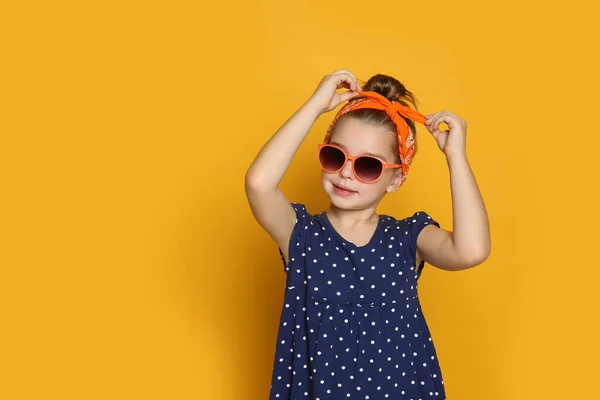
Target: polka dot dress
x=351, y=324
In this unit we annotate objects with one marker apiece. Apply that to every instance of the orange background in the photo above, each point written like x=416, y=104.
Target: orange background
x=131, y=266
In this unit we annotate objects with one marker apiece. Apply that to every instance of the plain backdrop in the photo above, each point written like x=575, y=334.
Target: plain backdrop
x=130, y=264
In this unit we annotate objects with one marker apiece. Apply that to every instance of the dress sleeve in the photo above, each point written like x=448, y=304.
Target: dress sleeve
x=298, y=240
x=417, y=222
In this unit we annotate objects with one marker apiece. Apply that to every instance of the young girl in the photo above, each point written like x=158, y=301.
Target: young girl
x=351, y=325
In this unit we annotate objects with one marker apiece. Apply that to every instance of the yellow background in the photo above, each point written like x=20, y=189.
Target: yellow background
x=131, y=266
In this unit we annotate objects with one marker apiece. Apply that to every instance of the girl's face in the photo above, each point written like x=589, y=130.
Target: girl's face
x=357, y=137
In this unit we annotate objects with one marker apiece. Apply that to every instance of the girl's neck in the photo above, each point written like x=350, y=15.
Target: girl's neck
x=352, y=218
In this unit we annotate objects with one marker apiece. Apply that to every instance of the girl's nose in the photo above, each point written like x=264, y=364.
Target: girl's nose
x=347, y=171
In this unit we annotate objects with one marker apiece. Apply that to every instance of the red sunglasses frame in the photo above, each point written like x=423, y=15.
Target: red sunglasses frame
x=385, y=165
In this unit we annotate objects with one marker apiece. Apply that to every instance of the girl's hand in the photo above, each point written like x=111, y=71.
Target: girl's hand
x=452, y=142
x=325, y=97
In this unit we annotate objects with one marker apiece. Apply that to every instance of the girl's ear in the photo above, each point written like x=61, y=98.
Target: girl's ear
x=396, y=181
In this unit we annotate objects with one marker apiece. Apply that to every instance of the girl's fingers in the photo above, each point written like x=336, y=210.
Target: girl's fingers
x=347, y=95
x=434, y=120
x=342, y=79
x=441, y=118
x=350, y=75
x=449, y=119
x=430, y=118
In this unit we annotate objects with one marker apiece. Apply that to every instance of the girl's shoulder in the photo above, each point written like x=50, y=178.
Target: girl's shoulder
x=409, y=226
x=417, y=216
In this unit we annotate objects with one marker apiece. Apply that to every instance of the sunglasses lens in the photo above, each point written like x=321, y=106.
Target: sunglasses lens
x=368, y=168
x=331, y=159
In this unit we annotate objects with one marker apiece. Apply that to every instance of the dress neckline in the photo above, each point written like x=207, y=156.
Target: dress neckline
x=328, y=223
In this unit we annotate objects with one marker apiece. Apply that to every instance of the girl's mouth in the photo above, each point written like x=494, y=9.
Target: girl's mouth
x=342, y=192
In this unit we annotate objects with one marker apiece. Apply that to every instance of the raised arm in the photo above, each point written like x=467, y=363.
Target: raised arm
x=469, y=244
x=268, y=204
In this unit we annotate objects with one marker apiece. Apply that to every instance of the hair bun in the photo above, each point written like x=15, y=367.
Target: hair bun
x=390, y=88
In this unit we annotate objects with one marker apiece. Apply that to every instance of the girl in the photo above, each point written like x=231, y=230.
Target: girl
x=351, y=325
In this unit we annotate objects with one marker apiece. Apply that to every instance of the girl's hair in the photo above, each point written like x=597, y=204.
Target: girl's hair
x=393, y=90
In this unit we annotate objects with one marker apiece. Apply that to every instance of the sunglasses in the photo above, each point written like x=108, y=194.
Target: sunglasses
x=366, y=168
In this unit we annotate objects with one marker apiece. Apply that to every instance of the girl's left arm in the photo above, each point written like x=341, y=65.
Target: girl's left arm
x=468, y=245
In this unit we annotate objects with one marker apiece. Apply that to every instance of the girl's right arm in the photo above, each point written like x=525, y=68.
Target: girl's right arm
x=268, y=204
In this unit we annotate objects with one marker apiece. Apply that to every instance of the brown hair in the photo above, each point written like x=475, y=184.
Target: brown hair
x=393, y=90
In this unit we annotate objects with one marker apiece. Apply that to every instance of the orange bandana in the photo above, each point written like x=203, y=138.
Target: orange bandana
x=406, y=141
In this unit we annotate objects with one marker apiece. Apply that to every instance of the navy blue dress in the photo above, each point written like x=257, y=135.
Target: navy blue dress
x=351, y=325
